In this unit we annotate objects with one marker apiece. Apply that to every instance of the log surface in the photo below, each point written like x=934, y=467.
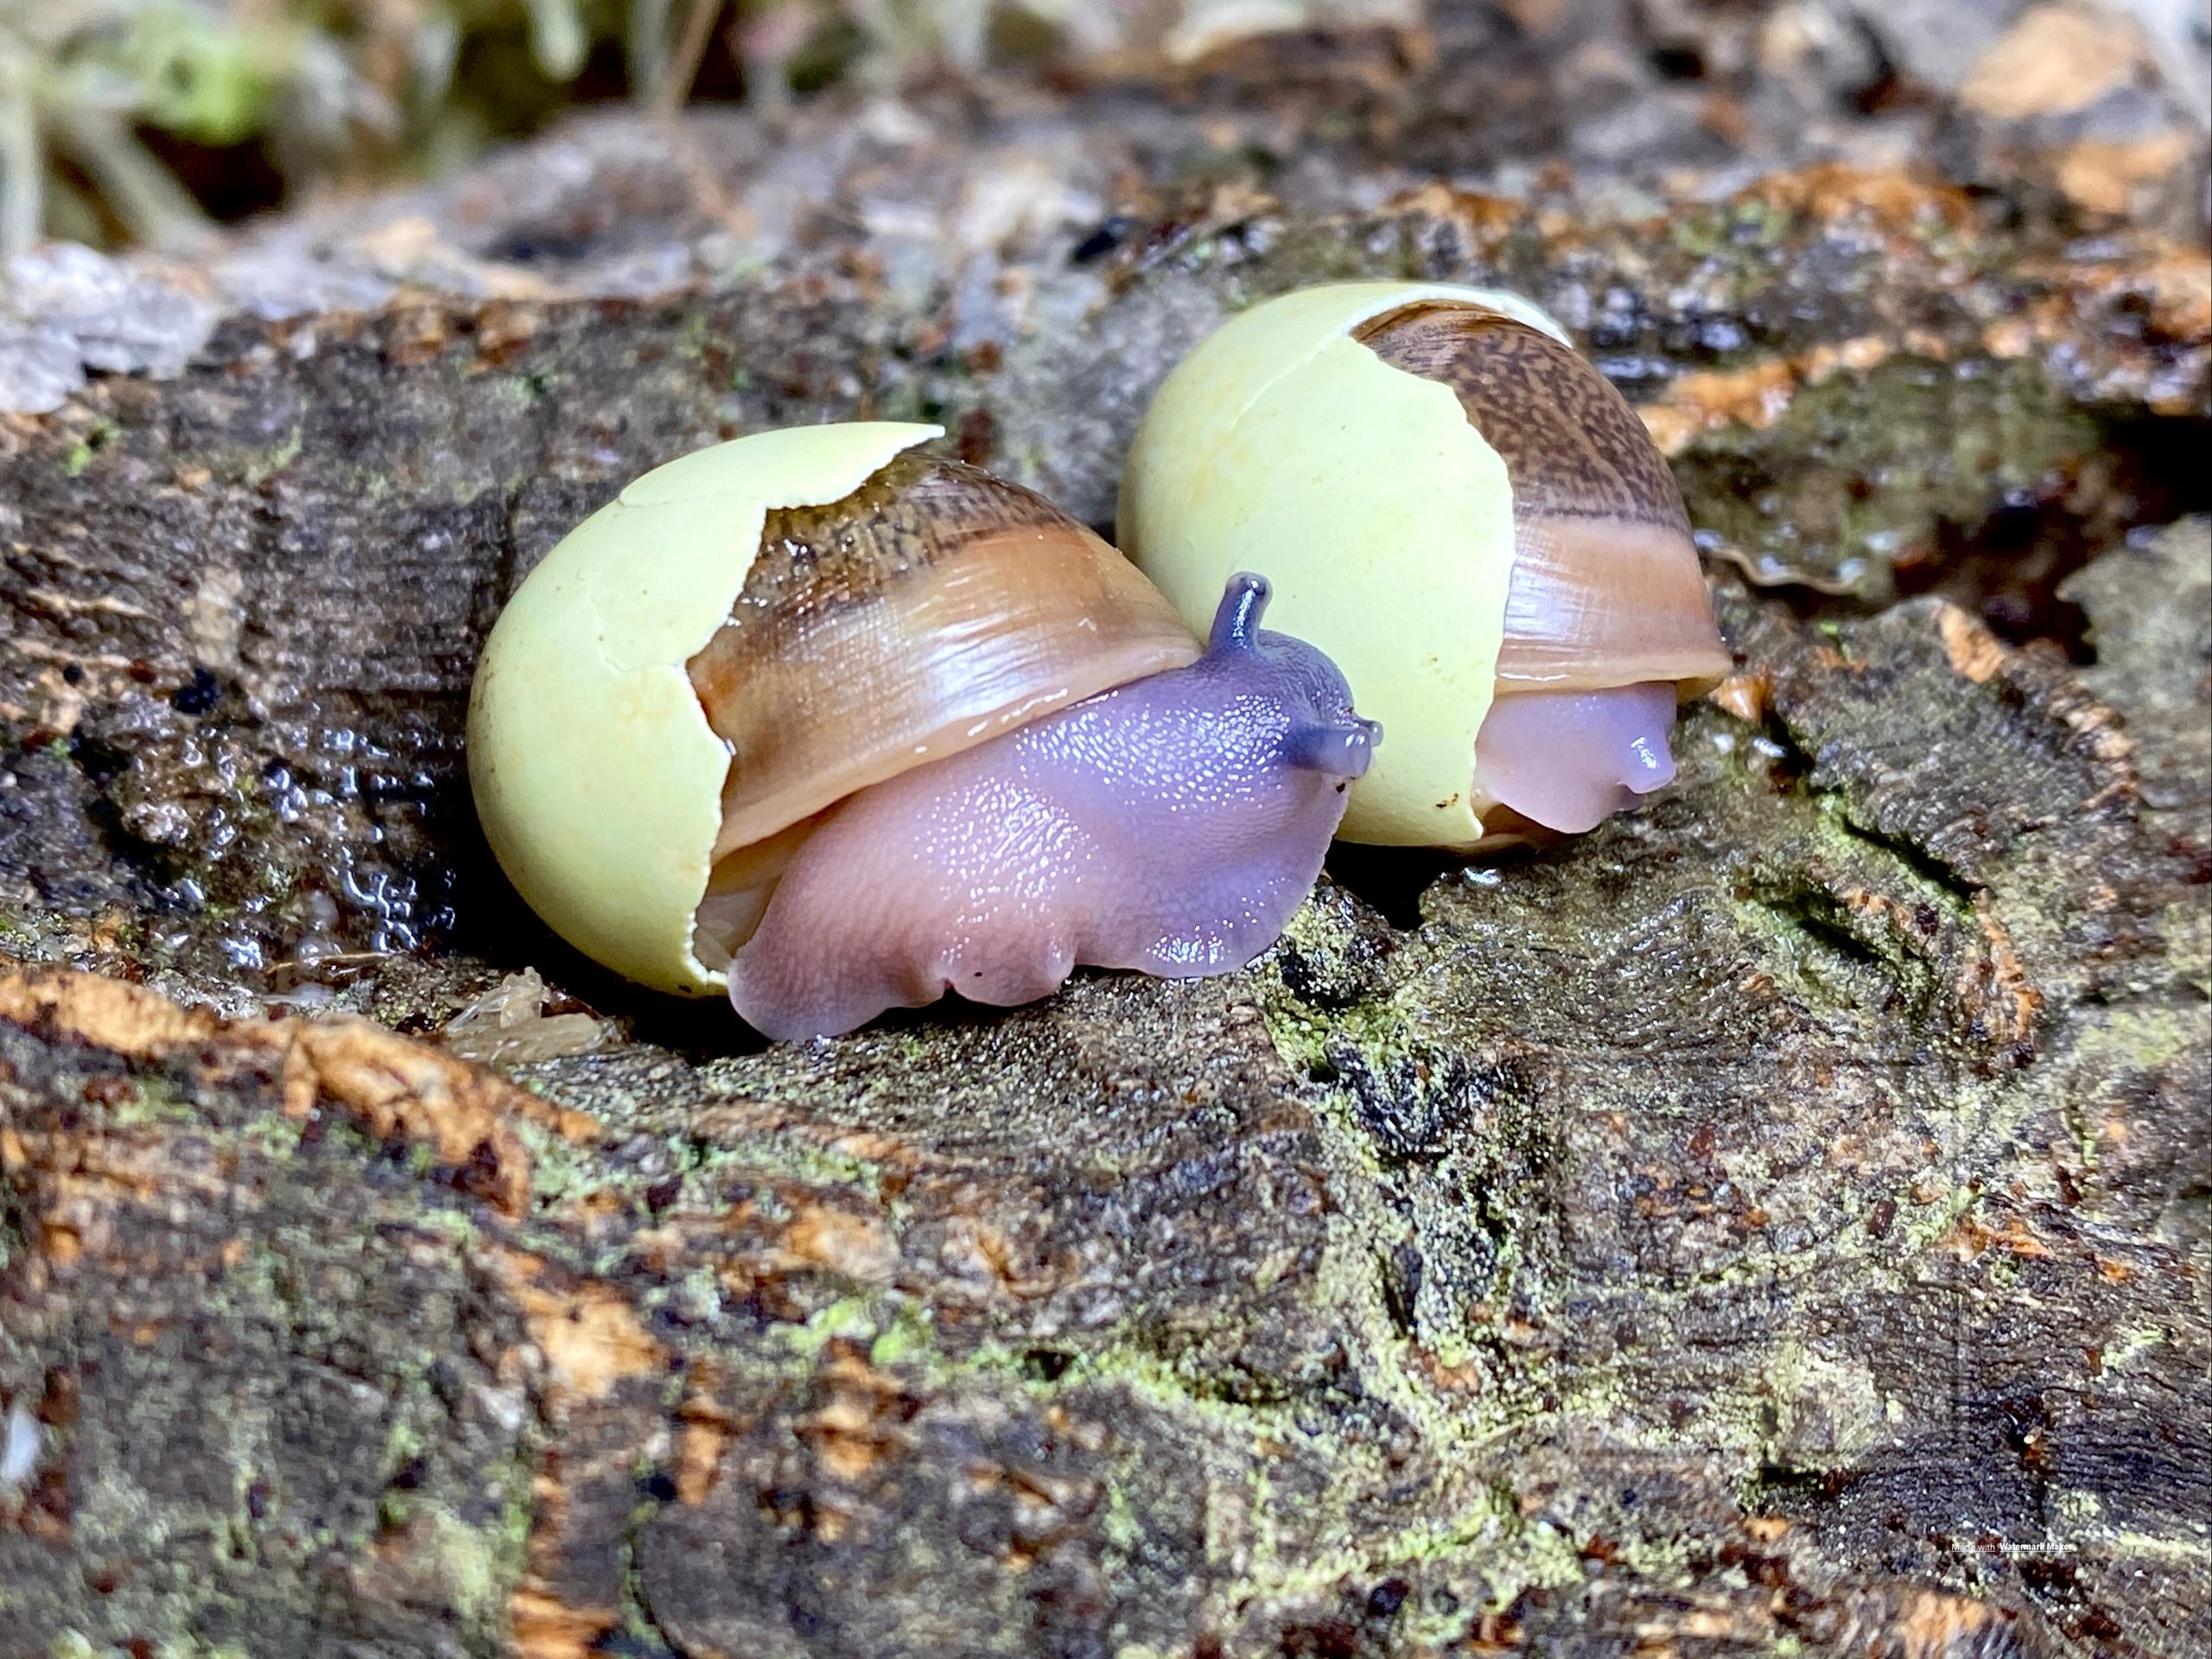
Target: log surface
x=1774, y=1224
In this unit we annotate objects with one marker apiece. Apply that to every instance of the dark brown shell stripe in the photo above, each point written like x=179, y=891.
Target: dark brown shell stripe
x=1572, y=445
x=909, y=514
x=842, y=559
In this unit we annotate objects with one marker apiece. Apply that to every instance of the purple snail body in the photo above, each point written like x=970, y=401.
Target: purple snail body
x=1171, y=825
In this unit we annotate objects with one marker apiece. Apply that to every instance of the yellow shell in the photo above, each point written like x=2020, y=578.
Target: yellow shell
x=596, y=775
x=1387, y=521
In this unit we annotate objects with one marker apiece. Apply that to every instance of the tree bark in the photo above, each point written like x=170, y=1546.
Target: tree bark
x=1774, y=1223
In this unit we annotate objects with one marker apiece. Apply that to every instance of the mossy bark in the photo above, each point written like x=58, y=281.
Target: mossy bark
x=1775, y=1223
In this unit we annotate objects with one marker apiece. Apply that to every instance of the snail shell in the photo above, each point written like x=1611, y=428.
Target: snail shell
x=752, y=633
x=1467, y=518
x=839, y=728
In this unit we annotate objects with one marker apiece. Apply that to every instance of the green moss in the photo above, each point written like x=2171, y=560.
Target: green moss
x=479, y=1564
x=792, y=1157
x=152, y=1101
x=517, y=1511
x=1863, y=468
x=78, y=456
x=1926, y=1223
x=1730, y=229
x=850, y=1316
x=457, y=1227
x=272, y=1133
x=261, y=469
x=1118, y=1521
x=402, y=1442
x=2130, y=1343
x=905, y=1336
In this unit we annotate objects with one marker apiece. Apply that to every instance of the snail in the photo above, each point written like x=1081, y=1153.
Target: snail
x=838, y=727
x=1473, y=523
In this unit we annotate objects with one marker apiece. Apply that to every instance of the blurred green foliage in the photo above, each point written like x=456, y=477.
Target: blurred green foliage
x=120, y=119
x=134, y=121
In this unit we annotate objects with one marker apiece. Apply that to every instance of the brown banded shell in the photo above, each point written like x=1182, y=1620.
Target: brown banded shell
x=927, y=612
x=1605, y=609
x=1606, y=588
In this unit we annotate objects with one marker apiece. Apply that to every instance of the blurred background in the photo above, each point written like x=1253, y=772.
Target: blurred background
x=146, y=122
